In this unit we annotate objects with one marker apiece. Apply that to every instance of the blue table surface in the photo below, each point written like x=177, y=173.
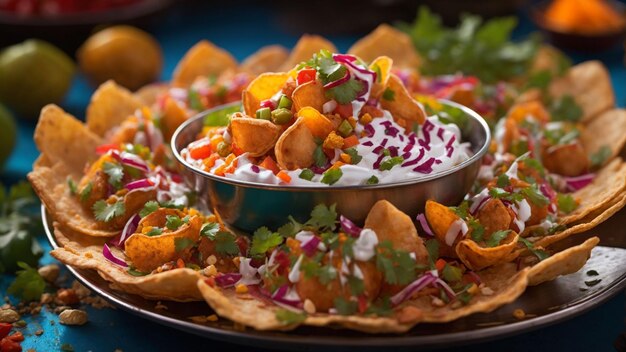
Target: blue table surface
x=236, y=29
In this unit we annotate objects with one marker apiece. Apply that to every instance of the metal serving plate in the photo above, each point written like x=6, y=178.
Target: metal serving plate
x=546, y=304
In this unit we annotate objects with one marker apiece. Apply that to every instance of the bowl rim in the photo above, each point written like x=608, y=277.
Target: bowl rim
x=248, y=184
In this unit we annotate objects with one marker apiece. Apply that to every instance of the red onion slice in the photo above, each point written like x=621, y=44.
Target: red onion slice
x=424, y=223
x=106, y=252
x=143, y=183
x=310, y=246
x=349, y=227
x=227, y=280
x=422, y=282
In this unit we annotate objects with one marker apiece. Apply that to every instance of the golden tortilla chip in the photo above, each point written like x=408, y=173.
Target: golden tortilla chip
x=402, y=105
x=65, y=139
x=317, y=123
x=294, y=149
x=254, y=136
x=262, y=88
x=608, y=183
x=388, y=41
x=590, y=85
x=86, y=253
x=606, y=130
x=203, y=59
x=476, y=257
x=310, y=94
x=149, y=252
x=267, y=59
x=440, y=218
x=305, y=48
x=566, y=262
x=110, y=105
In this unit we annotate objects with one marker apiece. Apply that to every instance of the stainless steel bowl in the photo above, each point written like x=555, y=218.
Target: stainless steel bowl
x=248, y=205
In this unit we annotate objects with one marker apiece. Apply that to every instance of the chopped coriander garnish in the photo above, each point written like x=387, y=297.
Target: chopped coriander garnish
x=194, y=100
x=72, y=186
x=373, y=180
x=155, y=231
x=432, y=247
x=355, y=158
x=503, y=181
x=115, y=173
x=346, y=92
x=173, y=222
x=319, y=157
x=106, y=212
x=451, y=273
x=209, y=229
x=598, y=158
x=263, y=240
x=182, y=243
x=134, y=272
x=306, y=174
x=539, y=253
x=323, y=217
x=288, y=317
x=28, y=284
x=389, y=94
x=149, y=208
x=477, y=230
x=356, y=285
x=496, y=238
x=225, y=243
x=85, y=193
x=397, y=266
x=535, y=196
x=565, y=108
x=345, y=307
x=331, y=176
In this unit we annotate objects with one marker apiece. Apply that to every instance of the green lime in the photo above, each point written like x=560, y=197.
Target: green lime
x=8, y=132
x=34, y=73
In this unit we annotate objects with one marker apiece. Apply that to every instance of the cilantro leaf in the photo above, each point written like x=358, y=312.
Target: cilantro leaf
x=323, y=217
x=263, y=240
x=478, y=230
x=355, y=158
x=210, y=229
x=346, y=92
x=319, y=157
x=324, y=273
x=155, y=231
x=462, y=210
x=173, y=222
x=539, y=253
x=397, y=266
x=432, y=247
x=149, y=208
x=85, y=193
x=599, y=157
x=183, y=243
x=225, y=243
x=503, y=181
x=344, y=306
x=566, y=203
x=106, y=212
x=565, y=108
x=496, y=238
x=389, y=94
x=72, y=186
x=289, y=317
x=28, y=284
x=451, y=273
x=356, y=285
x=535, y=196
x=290, y=229
x=115, y=173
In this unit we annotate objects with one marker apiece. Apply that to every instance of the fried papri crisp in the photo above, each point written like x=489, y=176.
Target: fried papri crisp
x=63, y=138
x=50, y=184
x=295, y=147
x=267, y=59
x=148, y=94
x=476, y=257
x=203, y=59
x=590, y=85
x=388, y=41
x=86, y=253
x=110, y=105
x=607, y=130
x=254, y=136
x=609, y=183
x=310, y=94
x=149, y=252
x=401, y=105
x=319, y=125
x=506, y=282
x=262, y=88
x=173, y=116
x=305, y=48
x=440, y=218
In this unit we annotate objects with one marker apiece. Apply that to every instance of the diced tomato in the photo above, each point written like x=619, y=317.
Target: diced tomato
x=242, y=244
x=469, y=278
x=350, y=141
x=284, y=176
x=210, y=161
x=330, y=153
x=440, y=264
x=210, y=281
x=362, y=304
x=16, y=336
x=180, y=263
x=344, y=110
x=236, y=150
x=103, y=149
x=270, y=164
x=8, y=345
x=372, y=110
x=282, y=259
x=200, y=149
x=5, y=329
x=305, y=75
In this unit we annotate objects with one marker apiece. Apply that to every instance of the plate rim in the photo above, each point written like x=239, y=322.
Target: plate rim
x=251, y=337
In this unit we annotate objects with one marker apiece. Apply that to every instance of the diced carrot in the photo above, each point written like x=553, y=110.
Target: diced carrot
x=210, y=161
x=345, y=158
x=215, y=141
x=200, y=149
x=344, y=110
x=337, y=164
x=284, y=176
x=439, y=264
x=351, y=121
x=180, y=263
x=350, y=141
x=269, y=164
x=231, y=167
